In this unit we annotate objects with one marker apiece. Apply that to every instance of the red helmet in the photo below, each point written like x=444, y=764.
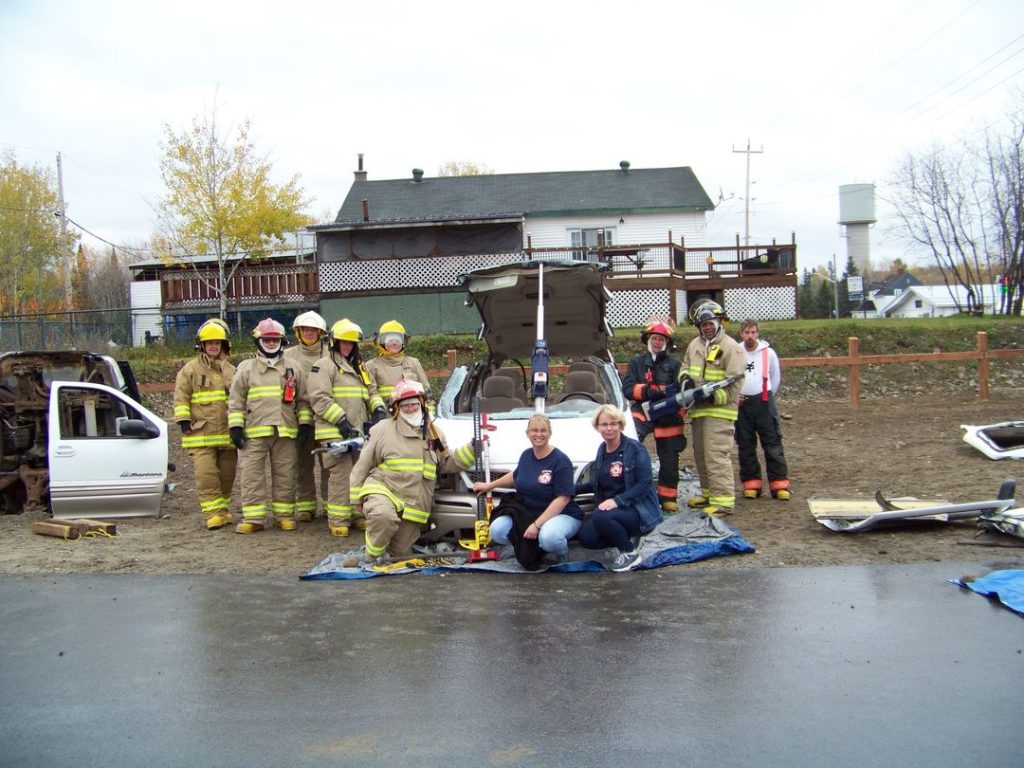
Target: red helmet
x=407, y=388
x=268, y=328
x=662, y=329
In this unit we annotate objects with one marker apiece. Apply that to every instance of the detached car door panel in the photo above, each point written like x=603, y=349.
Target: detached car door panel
x=107, y=453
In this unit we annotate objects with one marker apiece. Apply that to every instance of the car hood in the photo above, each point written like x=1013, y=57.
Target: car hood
x=574, y=308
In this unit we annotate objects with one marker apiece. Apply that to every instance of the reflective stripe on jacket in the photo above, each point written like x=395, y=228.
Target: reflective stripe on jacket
x=201, y=397
x=256, y=399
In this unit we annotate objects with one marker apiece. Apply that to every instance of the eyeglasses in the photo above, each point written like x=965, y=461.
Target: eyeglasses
x=607, y=424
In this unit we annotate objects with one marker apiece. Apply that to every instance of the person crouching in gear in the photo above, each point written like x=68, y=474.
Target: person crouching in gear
x=201, y=410
x=713, y=356
x=759, y=419
x=653, y=376
x=392, y=364
x=342, y=396
x=310, y=330
x=396, y=473
x=268, y=411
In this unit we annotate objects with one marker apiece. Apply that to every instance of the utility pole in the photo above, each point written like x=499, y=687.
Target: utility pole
x=65, y=253
x=746, y=200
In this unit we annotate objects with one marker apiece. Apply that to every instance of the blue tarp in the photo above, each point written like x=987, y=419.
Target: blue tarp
x=683, y=538
x=1006, y=586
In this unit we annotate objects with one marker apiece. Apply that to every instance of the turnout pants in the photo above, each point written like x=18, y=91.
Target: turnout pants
x=668, y=450
x=215, y=476
x=279, y=452
x=386, y=531
x=759, y=420
x=712, y=452
x=305, y=481
x=338, y=505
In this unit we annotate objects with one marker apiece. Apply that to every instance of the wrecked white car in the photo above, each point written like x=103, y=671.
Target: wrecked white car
x=74, y=436
x=512, y=383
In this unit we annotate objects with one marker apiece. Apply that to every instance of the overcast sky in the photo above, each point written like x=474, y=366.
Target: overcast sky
x=834, y=93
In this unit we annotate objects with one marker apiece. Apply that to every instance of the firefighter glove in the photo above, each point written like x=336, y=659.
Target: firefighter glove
x=237, y=437
x=185, y=426
x=345, y=428
x=700, y=395
x=305, y=432
x=379, y=414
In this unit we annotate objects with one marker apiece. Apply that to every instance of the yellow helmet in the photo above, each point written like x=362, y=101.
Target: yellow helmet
x=214, y=329
x=346, y=330
x=390, y=330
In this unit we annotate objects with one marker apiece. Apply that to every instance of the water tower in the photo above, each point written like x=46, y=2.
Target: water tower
x=856, y=215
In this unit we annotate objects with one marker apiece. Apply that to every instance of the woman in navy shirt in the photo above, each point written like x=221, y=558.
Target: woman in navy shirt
x=627, y=504
x=544, y=481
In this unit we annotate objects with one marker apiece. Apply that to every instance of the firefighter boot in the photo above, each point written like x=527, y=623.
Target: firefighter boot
x=751, y=489
x=697, y=501
x=285, y=524
x=215, y=522
x=339, y=530
x=780, y=489
x=669, y=505
x=247, y=527
x=305, y=516
x=359, y=524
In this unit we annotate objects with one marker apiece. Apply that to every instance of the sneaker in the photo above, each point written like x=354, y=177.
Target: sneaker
x=626, y=561
x=285, y=524
x=782, y=495
x=697, y=501
x=248, y=527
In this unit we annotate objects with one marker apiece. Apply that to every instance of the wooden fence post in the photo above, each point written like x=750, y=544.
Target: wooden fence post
x=982, y=365
x=853, y=349
x=451, y=360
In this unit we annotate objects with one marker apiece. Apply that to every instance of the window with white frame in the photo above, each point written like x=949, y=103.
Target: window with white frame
x=579, y=237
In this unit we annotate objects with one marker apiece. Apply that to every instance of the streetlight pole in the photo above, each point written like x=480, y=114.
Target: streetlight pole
x=835, y=291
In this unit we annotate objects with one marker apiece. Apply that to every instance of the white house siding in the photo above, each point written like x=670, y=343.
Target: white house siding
x=146, y=316
x=646, y=229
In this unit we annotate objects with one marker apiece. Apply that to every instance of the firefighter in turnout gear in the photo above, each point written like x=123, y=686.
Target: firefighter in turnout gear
x=653, y=375
x=713, y=356
x=268, y=412
x=394, y=479
x=310, y=330
x=392, y=364
x=343, y=396
x=201, y=410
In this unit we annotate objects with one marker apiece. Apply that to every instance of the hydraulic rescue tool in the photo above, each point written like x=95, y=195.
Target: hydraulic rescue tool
x=655, y=409
x=479, y=546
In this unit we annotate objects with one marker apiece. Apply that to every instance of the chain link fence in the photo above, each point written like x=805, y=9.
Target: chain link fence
x=86, y=329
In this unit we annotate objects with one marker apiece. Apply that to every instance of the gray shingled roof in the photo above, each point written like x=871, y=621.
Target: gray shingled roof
x=650, y=190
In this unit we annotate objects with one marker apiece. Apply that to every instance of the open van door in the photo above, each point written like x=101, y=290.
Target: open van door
x=107, y=453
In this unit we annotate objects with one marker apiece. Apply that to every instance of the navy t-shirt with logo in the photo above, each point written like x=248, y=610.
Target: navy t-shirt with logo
x=611, y=475
x=539, y=481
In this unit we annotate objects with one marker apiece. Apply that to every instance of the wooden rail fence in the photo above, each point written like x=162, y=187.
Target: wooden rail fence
x=853, y=360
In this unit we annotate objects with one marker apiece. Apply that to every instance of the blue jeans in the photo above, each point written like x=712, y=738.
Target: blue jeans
x=554, y=535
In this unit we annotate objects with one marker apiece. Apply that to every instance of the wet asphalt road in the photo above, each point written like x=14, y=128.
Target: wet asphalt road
x=867, y=666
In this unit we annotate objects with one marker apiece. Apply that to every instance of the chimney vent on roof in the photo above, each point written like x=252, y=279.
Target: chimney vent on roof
x=360, y=174
x=624, y=165
x=366, y=209
x=417, y=175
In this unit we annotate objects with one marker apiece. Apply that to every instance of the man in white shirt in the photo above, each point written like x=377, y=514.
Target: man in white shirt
x=759, y=419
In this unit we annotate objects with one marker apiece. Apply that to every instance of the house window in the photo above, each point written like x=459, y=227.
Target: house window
x=918, y=303
x=588, y=238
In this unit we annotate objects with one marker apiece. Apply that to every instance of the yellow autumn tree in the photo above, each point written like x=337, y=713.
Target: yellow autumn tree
x=221, y=201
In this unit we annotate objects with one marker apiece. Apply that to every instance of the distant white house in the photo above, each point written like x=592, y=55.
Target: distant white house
x=940, y=300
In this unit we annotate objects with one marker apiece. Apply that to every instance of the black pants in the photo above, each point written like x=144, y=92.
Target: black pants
x=759, y=420
x=614, y=528
x=668, y=450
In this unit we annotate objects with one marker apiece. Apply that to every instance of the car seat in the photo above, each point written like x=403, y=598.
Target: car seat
x=578, y=384
x=516, y=377
x=497, y=396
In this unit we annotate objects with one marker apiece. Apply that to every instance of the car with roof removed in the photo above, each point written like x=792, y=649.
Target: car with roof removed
x=522, y=325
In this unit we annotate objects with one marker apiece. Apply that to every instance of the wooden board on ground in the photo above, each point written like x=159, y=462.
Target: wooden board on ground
x=858, y=509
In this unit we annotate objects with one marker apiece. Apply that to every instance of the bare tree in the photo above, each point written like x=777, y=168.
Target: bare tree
x=964, y=207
